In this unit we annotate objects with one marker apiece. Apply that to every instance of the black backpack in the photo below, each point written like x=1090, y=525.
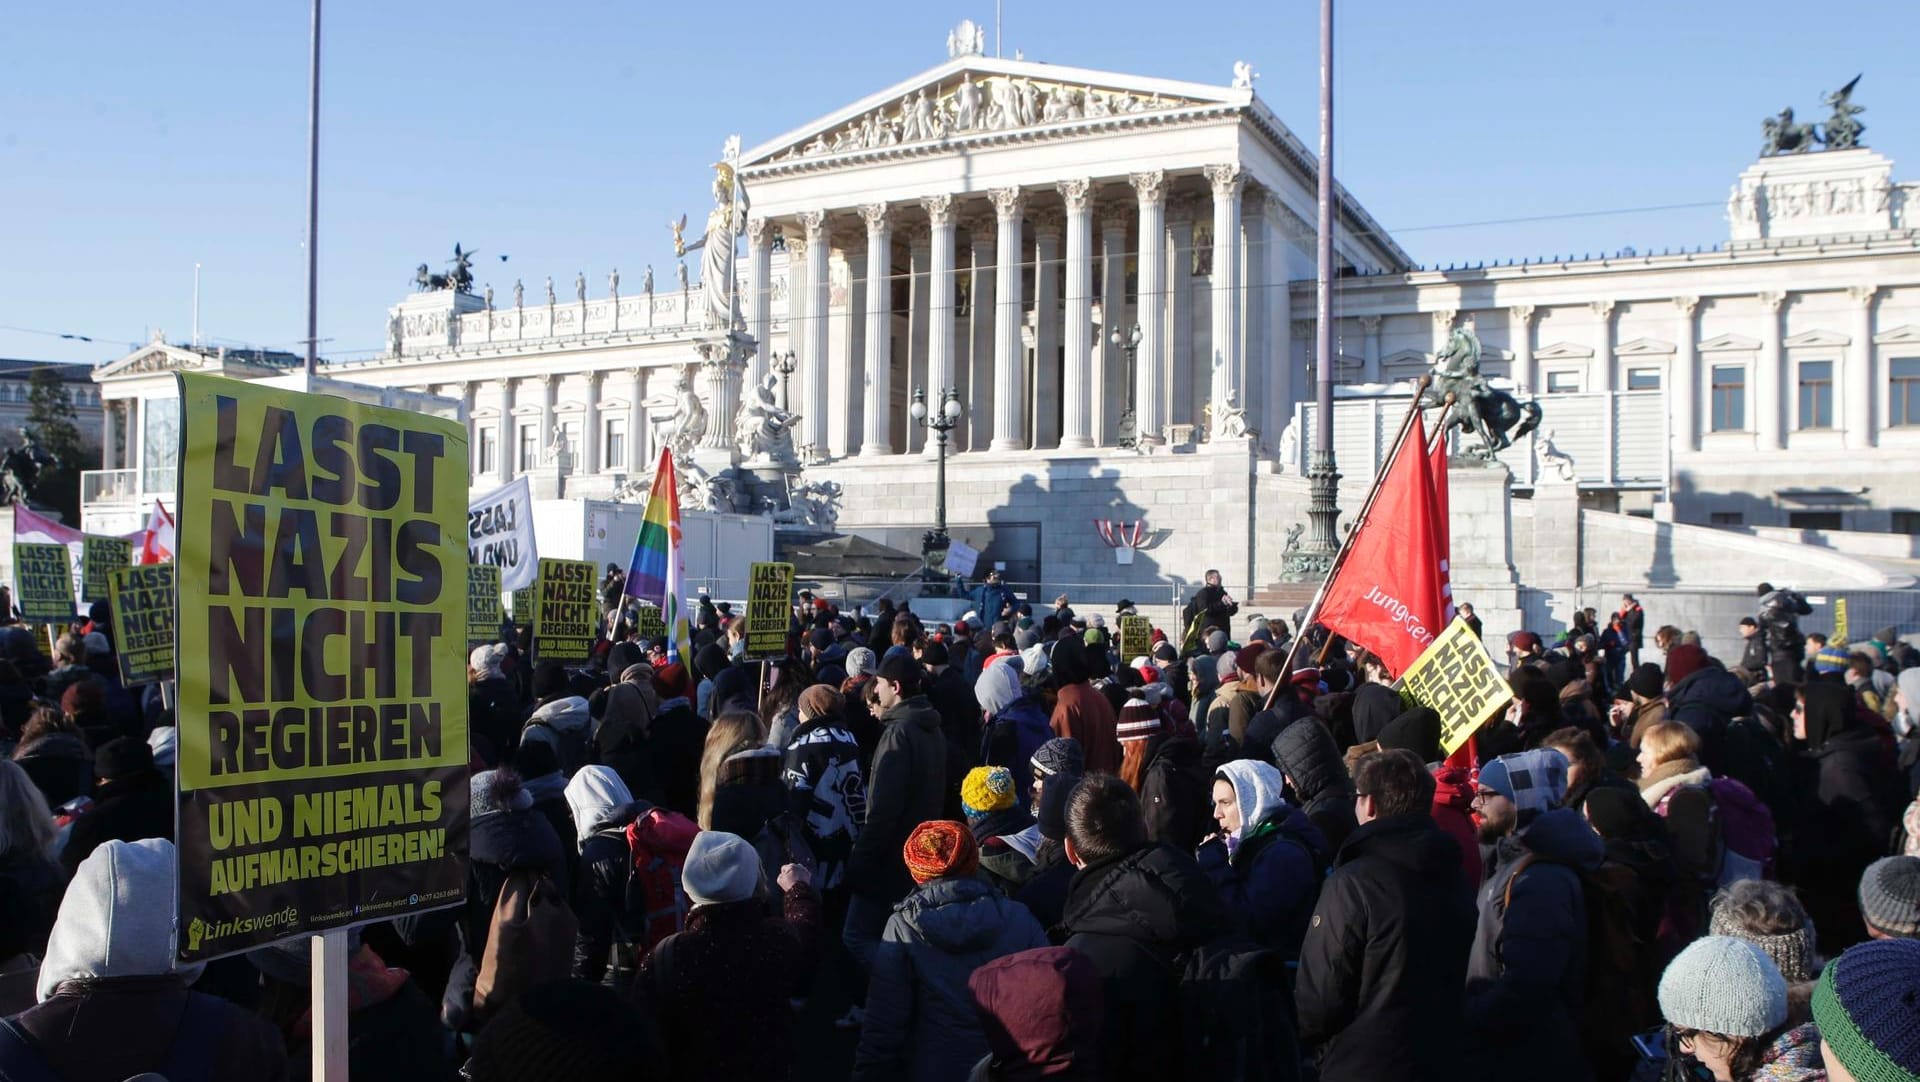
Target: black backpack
x=1236, y=1013
x=190, y=1058
x=1618, y=996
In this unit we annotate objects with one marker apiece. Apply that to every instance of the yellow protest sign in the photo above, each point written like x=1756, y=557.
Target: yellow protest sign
x=1839, y=636
x=1136, y=638
x=43, y=583
x=321, y=584
x=100, y=557
x=142, y=599
x=648, y=623
x=1455, y=677
x=521, y=602
x=566, y=613
x=483, y=604
x=769, y=609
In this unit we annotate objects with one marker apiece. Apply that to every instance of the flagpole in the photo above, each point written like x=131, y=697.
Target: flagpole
x=1366, y=508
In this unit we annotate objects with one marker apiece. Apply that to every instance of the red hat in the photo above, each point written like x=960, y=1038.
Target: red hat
x=1158, y=636
x=670, y=680
x=1248, y=655
x=1683, y=661
x=940, y=847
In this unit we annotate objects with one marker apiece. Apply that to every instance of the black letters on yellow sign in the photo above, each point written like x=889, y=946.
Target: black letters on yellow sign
x=320, y=588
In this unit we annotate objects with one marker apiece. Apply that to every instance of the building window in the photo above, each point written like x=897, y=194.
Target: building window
x=1816, y=394
x=529, y=447
x=1729, y=398
x=489, y=459
x=1814, y=520
x=1643, y=379
x=1903, y=401
x=1906, y=522
x=570, y=432
x=1729, y=518
x=1563, y=382
x=613, y=444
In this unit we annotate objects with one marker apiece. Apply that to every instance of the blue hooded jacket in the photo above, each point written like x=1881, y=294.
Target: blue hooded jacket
x=1271, y=878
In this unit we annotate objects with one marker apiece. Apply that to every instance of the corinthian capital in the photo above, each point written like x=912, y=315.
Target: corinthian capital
x=757, y=231
x=1008, y=203
x=877, y=216
x=1226, y=180
x=1150, y=186
x=815, y=224
x=1077, y=193
x=939, y=209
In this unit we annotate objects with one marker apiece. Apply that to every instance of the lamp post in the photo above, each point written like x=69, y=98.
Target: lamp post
x=1129, y=343
x=783, y=364
x=939, y=422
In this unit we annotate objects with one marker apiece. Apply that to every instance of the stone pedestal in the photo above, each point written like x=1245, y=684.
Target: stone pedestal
x=1823, y=193
x=425, y=321
x=549, y=479
x=1480, y=535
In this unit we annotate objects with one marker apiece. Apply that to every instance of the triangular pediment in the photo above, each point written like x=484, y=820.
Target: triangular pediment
x=1905, y=335
x=1728, y=343
x=1643, y=347
x=973, y=97
x=1816, y=338
x=157, y=357
x=151, y=358
x=1406, y=357
x=1563, y=351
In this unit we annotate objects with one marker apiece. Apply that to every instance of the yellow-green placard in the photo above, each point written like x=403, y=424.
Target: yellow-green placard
x=566, y=614
x=1839, y=637
x=648, y=623
x=43, y=583
x=522, y=607
x=769, y=609
x=321, y=584
x=142, y=599
x=1456, y=678
x=483, y=604
x=1136, y=638
x=100, y=557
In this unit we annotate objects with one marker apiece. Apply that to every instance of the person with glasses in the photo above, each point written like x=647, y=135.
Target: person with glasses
x=1386, y=950
x=1526, y=975
x=1725, y=1004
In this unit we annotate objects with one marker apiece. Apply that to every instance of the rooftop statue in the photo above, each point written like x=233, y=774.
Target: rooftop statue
x=1843, y=131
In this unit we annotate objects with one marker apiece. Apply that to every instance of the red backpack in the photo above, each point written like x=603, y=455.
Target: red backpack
x=659, y=841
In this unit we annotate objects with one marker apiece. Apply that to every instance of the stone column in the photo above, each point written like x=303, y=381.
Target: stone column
x=1603, y=349
x=940, y=307
x=877, y=437
x=1228, y=366
x=1150, y=310
x=638, y=430
x=590, y=428
x=1009, y=412
x=1683, y=380
x=509, y=434
x=1857, y=418
x=919, y=309
x=1076, y=403
x=549, y=390
x=109, y=420
x=1047, y=225
x=1111, y=382
x=846, y=345
x=759, y=299
x=1278, y=349
x=1442, y=328
x=1369, y=349
x=813, y=332
x=978, y=428
x=1253, y=230
x=1769, y=378
x=1520, y=335
x=1187, y=385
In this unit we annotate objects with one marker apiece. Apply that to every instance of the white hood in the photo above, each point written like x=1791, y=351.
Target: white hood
x=565, y=714
x=594, y=794
x=1257, y=788
x=116, y=919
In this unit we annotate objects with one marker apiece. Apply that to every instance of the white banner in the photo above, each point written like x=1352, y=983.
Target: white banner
x=961, y=559
x=500, y=533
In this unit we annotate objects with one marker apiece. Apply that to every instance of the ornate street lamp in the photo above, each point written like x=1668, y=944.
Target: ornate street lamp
x=940, y=422
x=783, y=364
x=1129, y=343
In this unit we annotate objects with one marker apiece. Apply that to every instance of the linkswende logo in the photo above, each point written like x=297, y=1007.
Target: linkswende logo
x=199, y=930
x=1402, y=615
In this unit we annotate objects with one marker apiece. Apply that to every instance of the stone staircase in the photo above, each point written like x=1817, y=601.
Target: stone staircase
x=1280, y=599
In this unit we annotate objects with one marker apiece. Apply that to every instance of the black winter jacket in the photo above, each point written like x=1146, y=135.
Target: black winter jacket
x=1386, y=956
x=906, y=787
x=600, y=893
x=1306, y=754
x=1131, y=915
x=1176, y=794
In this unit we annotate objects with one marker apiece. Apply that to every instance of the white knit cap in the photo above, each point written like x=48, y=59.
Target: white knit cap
x=1724, y=985
x=720, y=867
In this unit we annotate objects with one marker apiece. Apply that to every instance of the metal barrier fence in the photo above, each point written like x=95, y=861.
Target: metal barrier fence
x=1085, y=598
x=1716, y=614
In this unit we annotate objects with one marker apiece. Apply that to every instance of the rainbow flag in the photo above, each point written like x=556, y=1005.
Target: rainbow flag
x=657, y=571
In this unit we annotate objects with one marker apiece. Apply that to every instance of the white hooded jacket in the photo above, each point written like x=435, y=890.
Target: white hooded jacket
x=116, y=919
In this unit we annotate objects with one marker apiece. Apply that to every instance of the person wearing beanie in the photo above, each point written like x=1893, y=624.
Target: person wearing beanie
x=1703, y=696
x=1137, y=725
x=505, y=835
x=1060, y=756
x=1265, y=858
x=1847, y=801
x=1769, y=916
x=113, y=1002
x=951, y=695
x=826, y=785
x=1002, y=825
x=1725, y=1004
x=1890, y=898
x=544, y=784
x=734, y=962
x=1642, y=704
x=675, y=738
x=1525, y=975
x=131, y=801
x=1014, y=725
x=1040, y=1011
x=1638, y=868
x=920, y=1023
x=908, y=785
x=560, y=718
x=1868, y=1015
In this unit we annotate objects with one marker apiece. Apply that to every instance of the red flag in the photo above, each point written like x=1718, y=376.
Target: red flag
x=1442, y=525
x=1387, y=594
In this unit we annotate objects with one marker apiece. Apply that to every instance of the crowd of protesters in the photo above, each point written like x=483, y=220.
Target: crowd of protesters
x=1001, y=850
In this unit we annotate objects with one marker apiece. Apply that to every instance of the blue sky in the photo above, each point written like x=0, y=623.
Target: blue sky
x=138, y=139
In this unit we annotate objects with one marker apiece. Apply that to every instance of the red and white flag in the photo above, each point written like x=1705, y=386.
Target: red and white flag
x=156, y=541
x=1389, y=593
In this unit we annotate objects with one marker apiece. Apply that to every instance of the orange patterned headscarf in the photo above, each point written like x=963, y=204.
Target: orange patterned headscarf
x=940, y=847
